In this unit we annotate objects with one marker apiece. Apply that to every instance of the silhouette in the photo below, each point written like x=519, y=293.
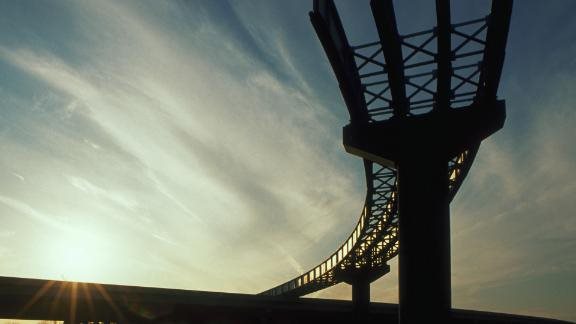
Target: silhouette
x=417, y=116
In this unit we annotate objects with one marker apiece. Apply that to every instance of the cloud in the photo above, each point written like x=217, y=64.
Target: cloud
x=29, y=211
x=91, y=189
x=6, y=234
x=207, y=150
x=512, y=220
x=19, y=176
x=168, y=140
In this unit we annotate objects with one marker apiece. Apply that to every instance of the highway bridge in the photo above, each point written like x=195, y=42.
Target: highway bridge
x=420, y=104
x=91, y=303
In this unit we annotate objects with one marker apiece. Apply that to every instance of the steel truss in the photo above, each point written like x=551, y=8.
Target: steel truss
x=451, y=66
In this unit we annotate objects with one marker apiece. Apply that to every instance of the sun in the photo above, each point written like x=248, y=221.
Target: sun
x=75, y=255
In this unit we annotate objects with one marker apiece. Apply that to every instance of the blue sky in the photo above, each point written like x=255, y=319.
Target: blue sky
x=197, y=144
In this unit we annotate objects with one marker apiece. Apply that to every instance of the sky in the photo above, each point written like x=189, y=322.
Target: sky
x=197, y=145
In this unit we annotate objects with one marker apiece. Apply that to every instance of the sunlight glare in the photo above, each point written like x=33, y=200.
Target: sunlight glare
x=76, y=256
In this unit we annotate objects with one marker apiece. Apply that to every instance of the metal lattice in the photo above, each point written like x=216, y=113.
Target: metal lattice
x=400, y=83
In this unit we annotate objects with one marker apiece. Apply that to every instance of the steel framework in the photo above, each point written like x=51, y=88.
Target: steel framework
x=419, y=106
x=451, y=70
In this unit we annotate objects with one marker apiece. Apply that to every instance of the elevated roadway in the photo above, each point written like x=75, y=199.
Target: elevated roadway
x=420, y=104
x=75, y=302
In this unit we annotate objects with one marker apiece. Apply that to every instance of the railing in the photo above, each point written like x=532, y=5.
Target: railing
x=378, y=211
x=420, y=61
x=374, y=240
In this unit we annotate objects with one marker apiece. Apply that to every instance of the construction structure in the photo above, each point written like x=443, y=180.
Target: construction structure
x=419, y=105
x=92, y=303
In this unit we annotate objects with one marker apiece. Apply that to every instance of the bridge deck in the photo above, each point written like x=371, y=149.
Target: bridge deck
x=83, y=302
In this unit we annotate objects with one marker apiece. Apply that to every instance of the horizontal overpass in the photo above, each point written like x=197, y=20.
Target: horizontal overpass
x=76, y=302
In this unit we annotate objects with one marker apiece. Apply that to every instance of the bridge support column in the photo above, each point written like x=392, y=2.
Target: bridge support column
x=360, y=280
x=361, y=298
x=420, y=147
x=424, y=237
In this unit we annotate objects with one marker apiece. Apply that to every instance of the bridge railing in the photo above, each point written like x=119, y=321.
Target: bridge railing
x=328, y=264
x=367, y=245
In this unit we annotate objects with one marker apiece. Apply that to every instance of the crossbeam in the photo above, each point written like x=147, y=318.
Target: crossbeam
x=385, y=19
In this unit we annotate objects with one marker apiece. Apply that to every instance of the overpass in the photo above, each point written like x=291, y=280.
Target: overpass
x=419, y=104
x=76, y=302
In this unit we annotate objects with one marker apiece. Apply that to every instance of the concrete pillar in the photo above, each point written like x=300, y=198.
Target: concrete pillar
x=361, y=298
x=424, y=237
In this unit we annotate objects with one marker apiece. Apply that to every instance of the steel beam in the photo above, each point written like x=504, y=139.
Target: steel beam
x=385, y=19
x=328, y=26
x=443, y=56
x=496, y=37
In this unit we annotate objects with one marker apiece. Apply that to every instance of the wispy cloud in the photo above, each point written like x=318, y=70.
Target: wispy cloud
x=91, y=189
x=205, y=145
x=513, y=219
x=22, y=208
x=179, y=145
